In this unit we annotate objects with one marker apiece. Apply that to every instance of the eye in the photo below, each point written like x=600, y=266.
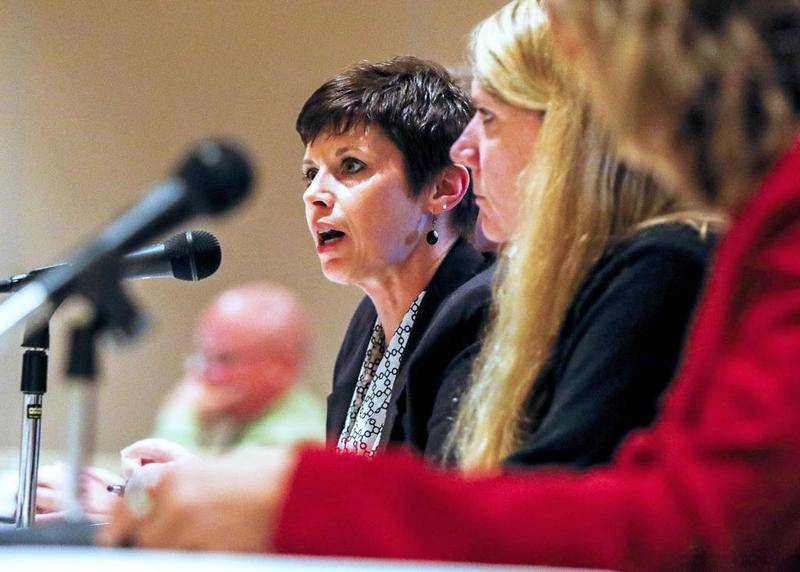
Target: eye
x=485, y=115
x=351, y=165
x=308, y=175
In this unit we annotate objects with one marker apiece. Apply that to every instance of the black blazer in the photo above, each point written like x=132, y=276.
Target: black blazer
x=461, y=263
x=617, y=349
x=443, y=361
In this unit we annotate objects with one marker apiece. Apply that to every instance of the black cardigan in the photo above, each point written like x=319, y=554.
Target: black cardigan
x=617, y=349
x=461, y=263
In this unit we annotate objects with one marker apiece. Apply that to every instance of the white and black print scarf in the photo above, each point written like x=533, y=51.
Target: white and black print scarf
x=367, y=413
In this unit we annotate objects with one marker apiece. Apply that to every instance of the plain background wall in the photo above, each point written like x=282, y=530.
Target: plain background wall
x=98, y=100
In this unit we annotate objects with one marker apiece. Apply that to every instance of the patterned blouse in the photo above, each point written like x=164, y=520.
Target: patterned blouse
x=367, y=413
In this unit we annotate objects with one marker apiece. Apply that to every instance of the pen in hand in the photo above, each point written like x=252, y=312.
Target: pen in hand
x=118, y=490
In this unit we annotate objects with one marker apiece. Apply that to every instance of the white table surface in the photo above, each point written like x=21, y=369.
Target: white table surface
x=58, y=559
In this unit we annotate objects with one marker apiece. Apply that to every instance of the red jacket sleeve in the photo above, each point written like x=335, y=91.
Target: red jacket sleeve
x=396, y=508
x=714, y=484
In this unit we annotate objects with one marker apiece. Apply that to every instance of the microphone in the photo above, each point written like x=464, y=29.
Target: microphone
x=192, y=255
x=214, y=177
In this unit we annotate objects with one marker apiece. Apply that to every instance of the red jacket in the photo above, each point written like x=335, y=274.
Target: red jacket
x=715, y=483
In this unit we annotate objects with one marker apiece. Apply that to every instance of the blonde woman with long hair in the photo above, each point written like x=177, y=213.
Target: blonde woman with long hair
x=598, y=283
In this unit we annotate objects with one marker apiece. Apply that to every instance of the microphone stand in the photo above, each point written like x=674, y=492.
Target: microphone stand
x=115, y=312
x=33, y=386
x=82, y=420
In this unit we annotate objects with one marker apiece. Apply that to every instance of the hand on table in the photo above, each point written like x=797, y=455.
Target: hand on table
x=51, y=492
x=224, y=504
x=147, y=451
x=52, y=481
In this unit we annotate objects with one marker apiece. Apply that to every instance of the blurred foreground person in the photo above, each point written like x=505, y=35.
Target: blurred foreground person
x=241, y=388
x=707, y=93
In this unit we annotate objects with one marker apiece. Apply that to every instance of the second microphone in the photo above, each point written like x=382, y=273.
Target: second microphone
x=191, y=255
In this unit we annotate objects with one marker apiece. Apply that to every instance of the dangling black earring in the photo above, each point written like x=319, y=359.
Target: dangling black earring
x=432, y=237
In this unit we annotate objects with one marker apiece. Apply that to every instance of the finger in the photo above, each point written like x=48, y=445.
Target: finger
x=52, y=475
x=50, y=517
x=129, y=523
x=157, y=530
x=99, y=503
x=160, y=527
x=59, y=516
x=103, y=476
x=158, y=449
x=44, y=484
x=168, y=526
x=149, y=451
x=123, y=529
x=98, y=517
x=48, y=500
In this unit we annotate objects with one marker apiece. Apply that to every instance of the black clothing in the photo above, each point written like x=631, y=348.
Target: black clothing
x=461, y=263
x=443, y=360
x=617, y=349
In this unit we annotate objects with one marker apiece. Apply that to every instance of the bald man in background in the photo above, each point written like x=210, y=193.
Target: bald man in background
x=240, y=390
x=241, y=387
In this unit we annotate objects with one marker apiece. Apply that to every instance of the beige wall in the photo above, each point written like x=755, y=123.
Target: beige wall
x=99, y=99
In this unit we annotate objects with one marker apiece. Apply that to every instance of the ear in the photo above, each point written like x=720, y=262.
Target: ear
x=448, y=189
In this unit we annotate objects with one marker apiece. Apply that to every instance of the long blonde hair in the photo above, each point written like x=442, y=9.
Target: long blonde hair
x=511, y=53
x=577, y=197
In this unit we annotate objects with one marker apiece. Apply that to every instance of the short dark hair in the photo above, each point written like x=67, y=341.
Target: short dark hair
x=415, y=102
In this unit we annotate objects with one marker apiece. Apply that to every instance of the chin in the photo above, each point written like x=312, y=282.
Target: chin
x=491, y=231
x=335, y=273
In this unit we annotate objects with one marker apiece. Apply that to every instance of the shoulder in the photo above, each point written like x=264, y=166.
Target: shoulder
x=472, y=297
x=665, y=241
x=299, y=398
x=462, y=264
x=455, y=330
x=658, y=265
x=298, y=406
x=668, y=251
x=457, y=324
x=476, y=289
x=364, y=311
x=297, y=417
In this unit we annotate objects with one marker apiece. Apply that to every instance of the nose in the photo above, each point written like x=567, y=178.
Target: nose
x=465, y=148
x=317, y=194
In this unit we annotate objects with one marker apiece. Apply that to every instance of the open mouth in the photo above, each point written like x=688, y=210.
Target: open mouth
x=329, y=236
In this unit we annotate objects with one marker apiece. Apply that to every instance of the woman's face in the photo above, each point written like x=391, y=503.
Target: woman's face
x=359, y=208
x=496, y=146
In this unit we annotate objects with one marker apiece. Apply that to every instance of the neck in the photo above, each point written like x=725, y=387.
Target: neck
x=393, y=292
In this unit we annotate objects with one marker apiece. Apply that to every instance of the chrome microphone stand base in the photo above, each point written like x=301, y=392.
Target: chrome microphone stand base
x=33, y=387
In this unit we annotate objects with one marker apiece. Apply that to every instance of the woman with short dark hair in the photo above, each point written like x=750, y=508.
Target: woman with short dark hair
x=390, y=213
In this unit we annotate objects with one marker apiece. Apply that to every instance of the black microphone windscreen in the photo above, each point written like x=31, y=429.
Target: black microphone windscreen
x=217, y=174
x=194, y=254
